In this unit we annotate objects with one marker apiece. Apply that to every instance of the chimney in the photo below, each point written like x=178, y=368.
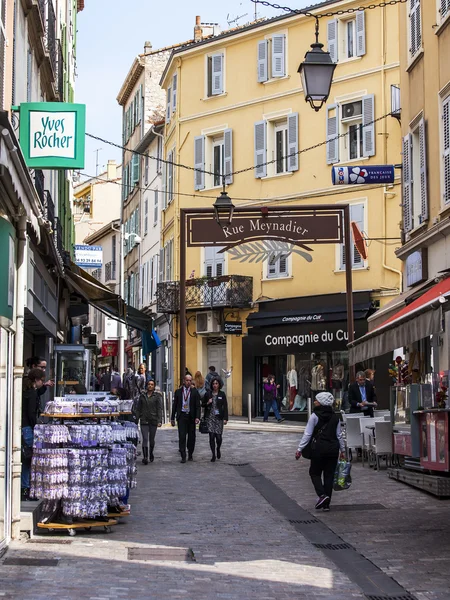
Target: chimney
x=198, y=32
x=111, y=169
x=147, y=47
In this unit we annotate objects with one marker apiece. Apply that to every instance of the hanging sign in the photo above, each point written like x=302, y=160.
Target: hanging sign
x=416, y=267
x=232, y=327
x=363, y=175
x=52, y=134
x=110, y=347
x=88, y=256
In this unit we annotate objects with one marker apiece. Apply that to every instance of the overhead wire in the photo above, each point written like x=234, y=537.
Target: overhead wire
x=331, y=13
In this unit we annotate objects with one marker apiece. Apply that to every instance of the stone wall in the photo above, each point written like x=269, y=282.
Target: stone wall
x=155, y=97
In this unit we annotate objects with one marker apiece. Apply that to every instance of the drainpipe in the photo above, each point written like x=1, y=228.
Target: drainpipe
x=21, y=296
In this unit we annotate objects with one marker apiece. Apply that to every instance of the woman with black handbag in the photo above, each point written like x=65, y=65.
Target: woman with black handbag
x=322, y=442
x=216, y=416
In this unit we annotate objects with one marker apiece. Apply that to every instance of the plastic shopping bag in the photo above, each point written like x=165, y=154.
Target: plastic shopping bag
x=342, y=477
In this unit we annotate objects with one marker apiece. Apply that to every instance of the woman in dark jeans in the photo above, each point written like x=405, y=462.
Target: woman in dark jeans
x=32, y=383
x=149, y=414
x=270, y=399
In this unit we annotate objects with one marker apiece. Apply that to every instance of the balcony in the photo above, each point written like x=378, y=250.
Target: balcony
x=49, y=208
x=97, y=274
x=50, y=36
x=39, y=184
x=60, y=71
x=227, y=291
x=110, y=272
x=58, y=236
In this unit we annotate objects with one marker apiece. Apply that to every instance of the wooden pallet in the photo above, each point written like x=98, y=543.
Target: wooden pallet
x=434, y=484
x=125, y=513
x=71, y=529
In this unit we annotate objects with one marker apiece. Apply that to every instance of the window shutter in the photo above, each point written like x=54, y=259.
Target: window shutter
x=332, y=39
x=145, y=216
x=168, y=109
x=260, y=149
x=214, y=261
x=146, y=165
x=445, y=8
x=155, y=275
x=360, y=33
x=332, y=132
x=135, y=169
x=125, y=291
x=423, y=172
x=446, y=154
x=228, y=155
x=357, y=215
x=174, y=92
x=272, y=267
x=199, y=162
x=140, y=286
x=368, y=132
x=170, y=171
x=278, y=56
x=217, y=74
x=155, y=209
x=164, y=186
x=137, y=107
x=263, y=61
x=415, y=27
x=293, y=142
x=283, y=264
x=407, y=187
x=161, y=265
x=168, y=258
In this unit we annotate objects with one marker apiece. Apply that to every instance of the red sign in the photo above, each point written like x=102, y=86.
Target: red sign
x=110, y=348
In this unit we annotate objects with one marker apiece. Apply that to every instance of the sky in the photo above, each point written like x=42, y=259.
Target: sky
x=111, y=33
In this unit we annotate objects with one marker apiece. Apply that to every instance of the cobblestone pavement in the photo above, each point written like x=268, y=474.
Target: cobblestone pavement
x=243, y=547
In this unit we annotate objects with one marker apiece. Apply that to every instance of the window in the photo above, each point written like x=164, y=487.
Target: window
x=135, y=164
x=277, y=267
x=146, y=165
x=356, y=215
x=155, y=209
x=113, y=254
x=133, y=115
x=444, y=9
x=154, y=276
x=215, y=74
x=169, y=104
x=145, y=216
x=168, y=179
x=347, y=37
x=213, y=153
x=276, y=140
x=271, y=60
x=415, y=28
x=168, y=260
x=159, y=156
x=446, y=149
x=214, y=261
x=29, y=73
x=353, y=121
x=174, y=92
x=414, y=172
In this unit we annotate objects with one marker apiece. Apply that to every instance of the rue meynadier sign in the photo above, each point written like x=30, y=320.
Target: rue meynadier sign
x=298, y=227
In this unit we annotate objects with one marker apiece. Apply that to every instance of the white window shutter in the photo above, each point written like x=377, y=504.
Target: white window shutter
x=415, y=27
x=357, y=215
x=278, y=56
x=260, y=149
x=164, y=186
x=368, y=132
x=332, y=132
x=446, y=148
x=217, y=74
x=283, y=264
x=407, y=185
x=155, y=275
x=360, y=33
x=155, y=209
x=199, y=162
x=263, y=63
x=161, y=266
x=174, y=92
x=170, y=172
x=169, y=100
x=423, y=172
x=293, y=142
x=445, y=8
x=332, y=39
x=228, y=155
x=272, y=267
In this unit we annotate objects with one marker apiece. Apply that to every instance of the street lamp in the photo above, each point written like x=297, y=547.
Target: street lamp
x=317, y=74
x=223, y=209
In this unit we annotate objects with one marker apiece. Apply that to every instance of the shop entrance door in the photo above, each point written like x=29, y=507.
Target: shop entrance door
x=217, y=357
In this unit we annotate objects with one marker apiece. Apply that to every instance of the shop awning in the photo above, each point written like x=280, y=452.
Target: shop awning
x=417, y=320
x=102, y=298
x=307, y=316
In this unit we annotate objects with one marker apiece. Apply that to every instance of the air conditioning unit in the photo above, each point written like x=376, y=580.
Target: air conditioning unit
x=207, y=322
x=352, y=110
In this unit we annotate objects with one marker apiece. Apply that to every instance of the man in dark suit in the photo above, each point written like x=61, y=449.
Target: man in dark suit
x=186, y=410
x=361, y=395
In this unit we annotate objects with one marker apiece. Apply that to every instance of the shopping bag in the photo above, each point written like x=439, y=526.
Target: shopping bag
x=342, y=477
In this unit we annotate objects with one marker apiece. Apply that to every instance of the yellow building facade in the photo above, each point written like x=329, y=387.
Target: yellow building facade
x=234, y=100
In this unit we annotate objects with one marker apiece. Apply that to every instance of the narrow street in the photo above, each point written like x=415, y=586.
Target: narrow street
x=231, y=526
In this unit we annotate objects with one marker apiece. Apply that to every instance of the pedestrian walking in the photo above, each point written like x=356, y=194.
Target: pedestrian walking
x=32, y=383
x=199, y=384
x=211, y=374
x=149, y=415
x=270, y=399
x=141, y=379
x=323, y=430
x=216, y=415
x=362, y=396
x=186, y=411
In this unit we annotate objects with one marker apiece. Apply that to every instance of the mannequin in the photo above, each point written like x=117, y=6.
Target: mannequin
x=318, y=379
x=292, y=381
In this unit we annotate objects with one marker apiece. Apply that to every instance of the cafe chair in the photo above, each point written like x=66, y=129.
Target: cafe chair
x=353, y=435
x=381, y=445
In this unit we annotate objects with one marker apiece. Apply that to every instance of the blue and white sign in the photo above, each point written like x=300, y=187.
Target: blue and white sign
x=88, y=257
x=363, y=175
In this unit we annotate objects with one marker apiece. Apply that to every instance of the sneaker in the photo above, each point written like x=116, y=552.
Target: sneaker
x=190, y=457
x=321, y=501
x=281, y=420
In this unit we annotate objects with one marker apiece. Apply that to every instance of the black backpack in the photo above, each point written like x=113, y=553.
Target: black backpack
x=323, y=441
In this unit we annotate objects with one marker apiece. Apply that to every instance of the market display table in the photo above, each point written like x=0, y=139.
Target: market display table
x=434, y=446
x=71, y=529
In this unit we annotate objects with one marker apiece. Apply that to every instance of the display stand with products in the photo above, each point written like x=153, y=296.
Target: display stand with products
x=83, y=464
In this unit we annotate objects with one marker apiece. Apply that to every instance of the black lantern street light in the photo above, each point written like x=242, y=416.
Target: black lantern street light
x=223, y=209
x=317, y=74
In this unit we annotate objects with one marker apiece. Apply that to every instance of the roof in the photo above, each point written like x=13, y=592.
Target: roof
x=97, y=235
x=150, y=136
x=133, y=75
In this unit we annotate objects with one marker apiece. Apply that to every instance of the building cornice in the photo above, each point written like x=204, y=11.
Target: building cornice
x=425, y=239
x=130, y=80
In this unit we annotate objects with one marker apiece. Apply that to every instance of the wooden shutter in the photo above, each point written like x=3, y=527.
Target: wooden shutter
x=145, y=216
x=332, y=39
x=170, y=177
x=446, y=148
x=164, y=186
x=445, y=8
x=407, y=184
x=260, y=149
x=283, y=264
x=415, y=27
x=140, y=286
x=278, y=56
x=368, y=132
x=135, y=169
x=169, y=99
x=332, y=132
x=137, y=107
x=217, y=74
x=357, y=215
x=199, y=162
x=161, y=265
x=174, y=92
x=360, y=33
x=214, y=261
x=228, y=155
x=292, y=142
x=263, y=61
x=155, y=275
x=155, y=209
x=272, y=267
x=423, y=172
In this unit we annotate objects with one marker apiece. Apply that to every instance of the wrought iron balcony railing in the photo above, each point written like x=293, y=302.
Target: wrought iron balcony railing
x=97, y=274
x=227, y=291
x=110, y=272
x=39, y=184
x=50, y=35
x=49, y=208
x=60, y=71
x=41, y=5
x=58, y=236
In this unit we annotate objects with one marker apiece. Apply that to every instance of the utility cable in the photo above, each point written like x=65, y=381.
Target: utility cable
x=348, y=11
